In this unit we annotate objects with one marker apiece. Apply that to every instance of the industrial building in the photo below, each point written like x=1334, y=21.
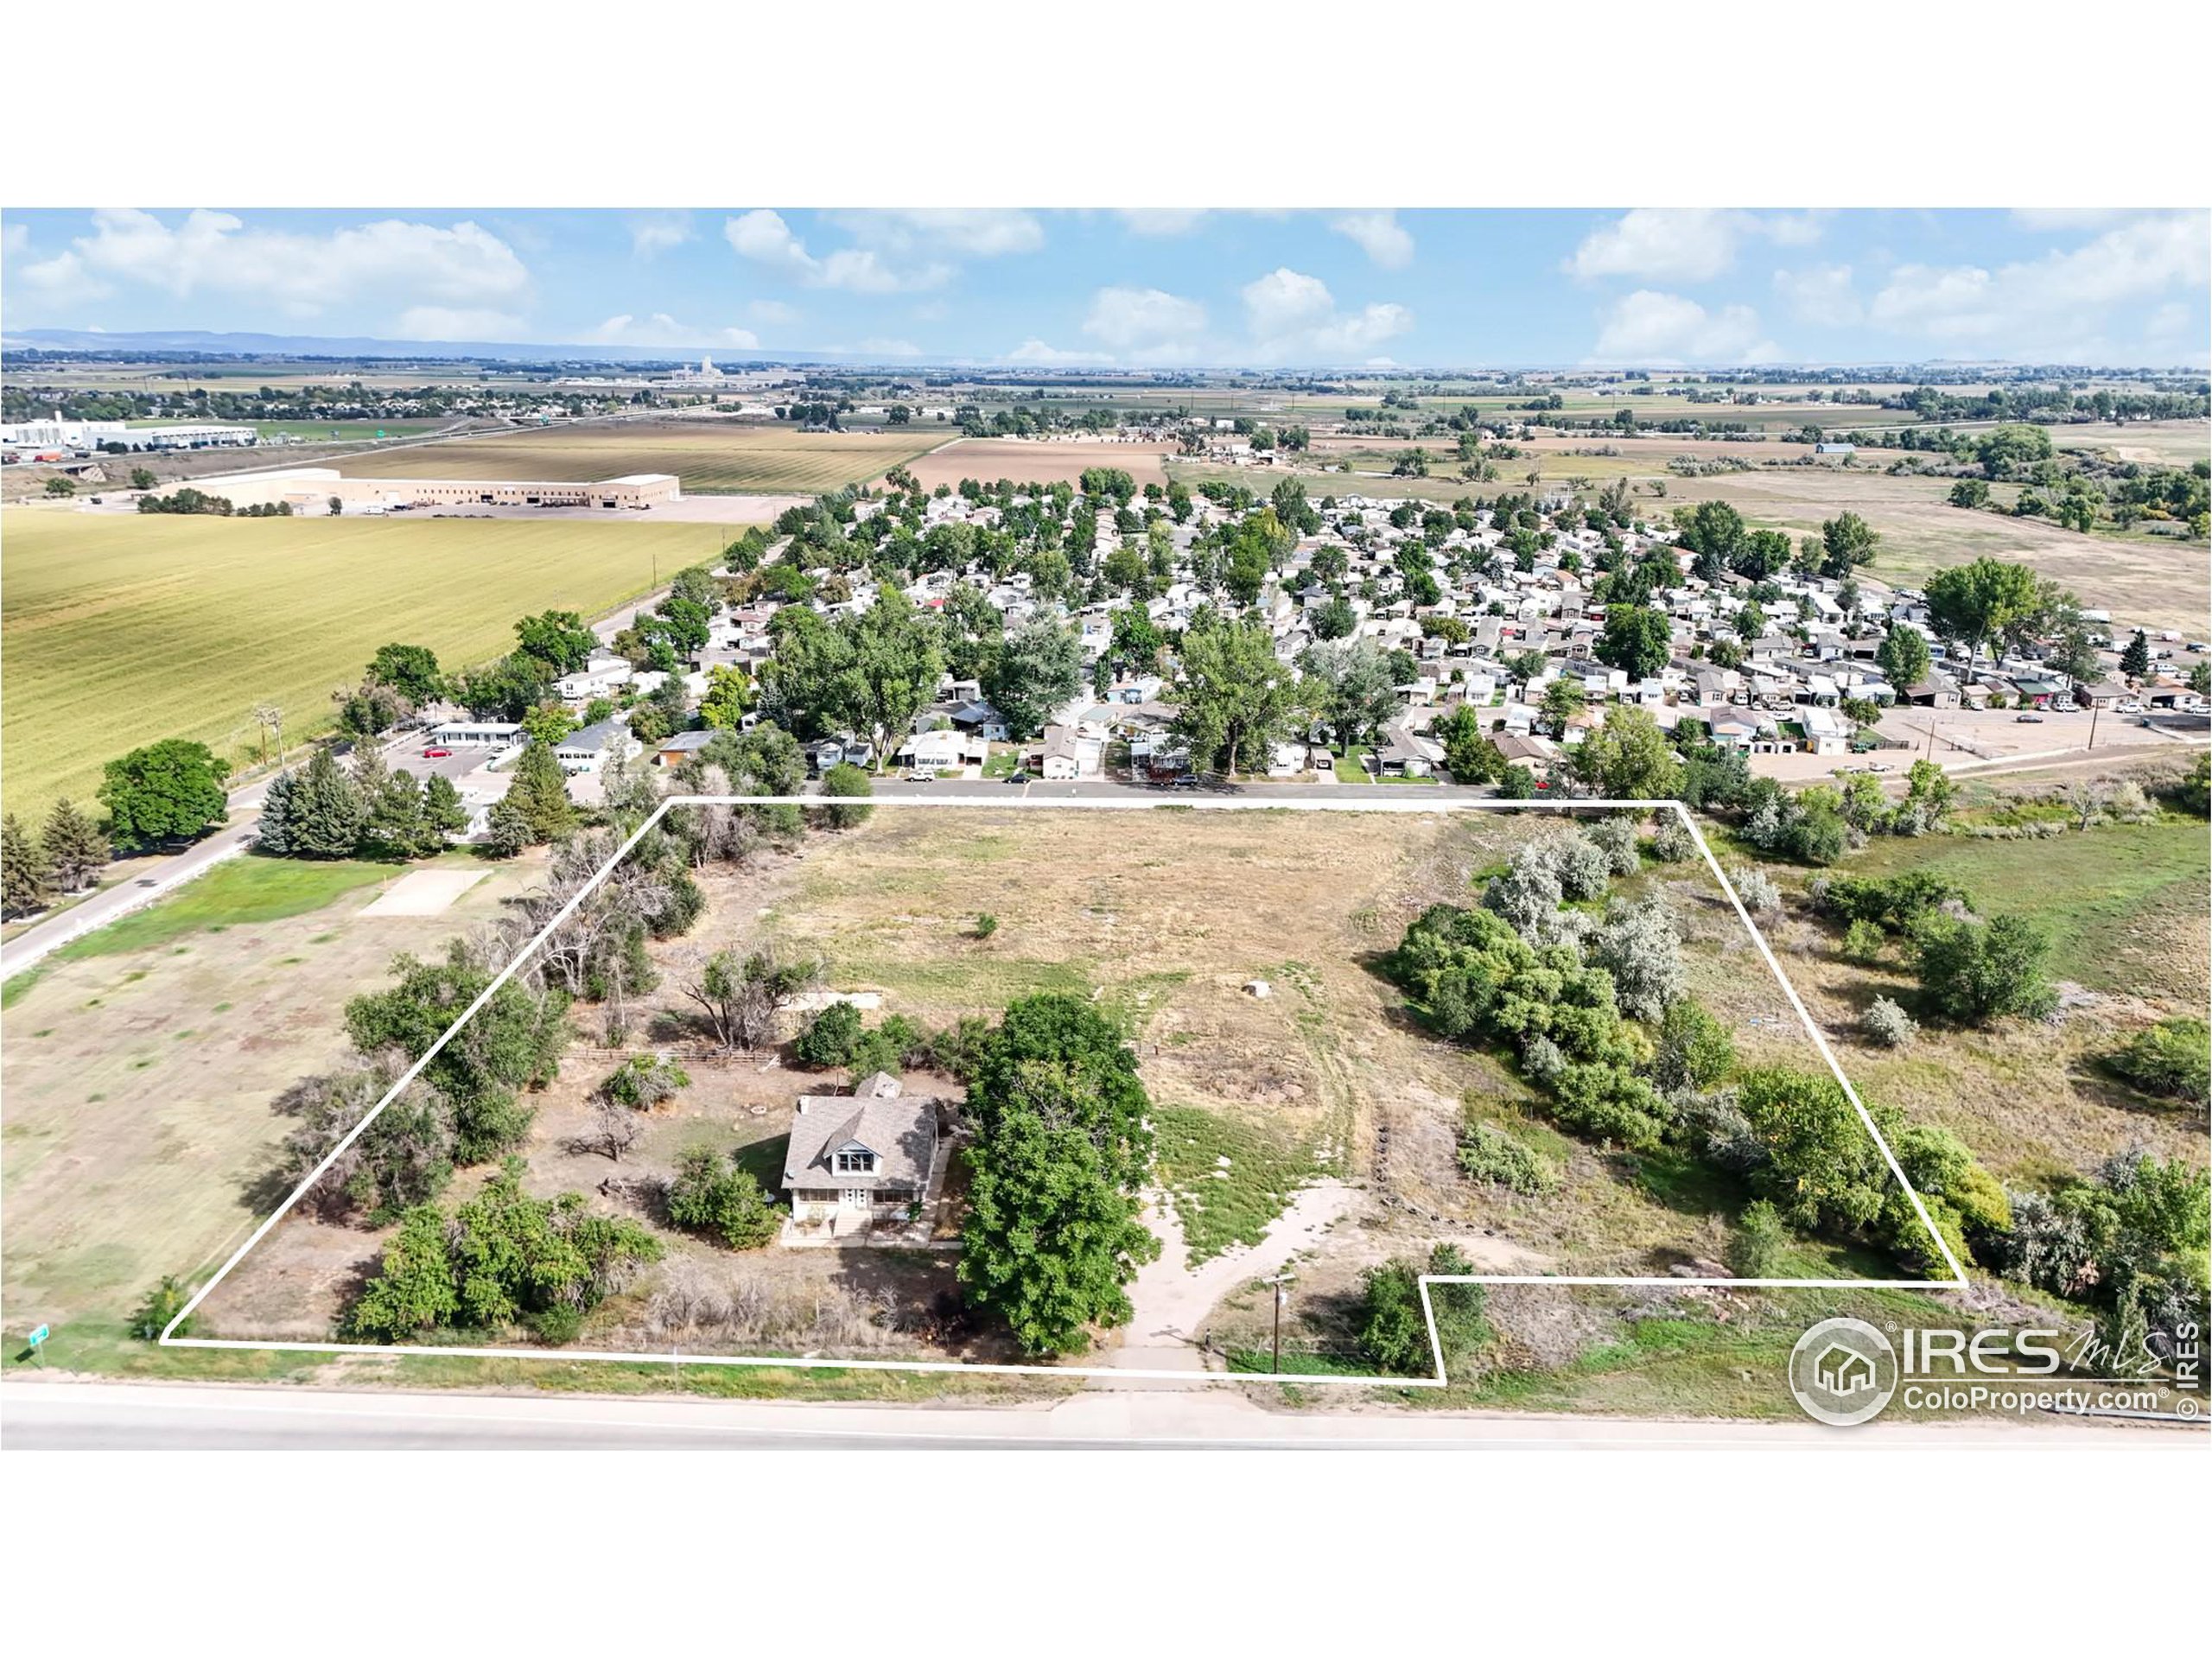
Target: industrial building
x=55, y=433
x=309, y=489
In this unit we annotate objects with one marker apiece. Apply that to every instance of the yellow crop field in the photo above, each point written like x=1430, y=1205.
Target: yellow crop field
x=710, y=457
x=119, y=629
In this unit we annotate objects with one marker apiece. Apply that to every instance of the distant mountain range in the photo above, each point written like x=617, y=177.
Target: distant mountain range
x=246, y=345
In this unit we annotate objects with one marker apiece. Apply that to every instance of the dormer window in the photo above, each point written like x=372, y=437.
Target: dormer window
x=855, y=1160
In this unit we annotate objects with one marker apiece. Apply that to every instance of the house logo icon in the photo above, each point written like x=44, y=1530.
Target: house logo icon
x=1843, y=1372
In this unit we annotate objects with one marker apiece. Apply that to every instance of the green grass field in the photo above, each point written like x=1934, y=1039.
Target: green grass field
x=121, y=630
x=712, y=457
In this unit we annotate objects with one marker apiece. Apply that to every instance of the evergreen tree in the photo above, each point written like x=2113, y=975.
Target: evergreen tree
x=444, y=815
x=276, y=833
x=324, y=814
x=75, y=844
x=2135, y=661
x=26, y=873
x=394, y=828
x=536, y=808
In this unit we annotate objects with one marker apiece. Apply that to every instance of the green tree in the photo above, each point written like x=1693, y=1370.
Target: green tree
x=164, y=792
x=729, y=699
x=559, y=639
x=1847, y=542
x=892, y=672
x=830, y=1038
x=413, y=1290
x=1471, y=754
x=444, y=814
x=1394, y=1334
x=1235, y=697
x=536, y=808
x=1059, y=1160
x=1755, y=1249
x=1627, y=759
x=1903, y=657
x=2135, y=661
x=1037, y=668
x=1637, y=639
x=412, y=670
x=1353, y=689
x=76, y=844
x=1563, y=699
x=1974, y=604
x=26, y=871
x=321, y=814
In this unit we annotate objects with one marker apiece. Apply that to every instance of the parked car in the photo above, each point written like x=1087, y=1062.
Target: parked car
x=1017, y=777
x=918, y=775
x=435, y=753
x=2027, y=720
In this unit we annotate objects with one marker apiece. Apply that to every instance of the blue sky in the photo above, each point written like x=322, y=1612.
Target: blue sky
x=1430, y=289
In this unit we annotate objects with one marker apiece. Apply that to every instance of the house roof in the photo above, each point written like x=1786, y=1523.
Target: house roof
x=901, y=1129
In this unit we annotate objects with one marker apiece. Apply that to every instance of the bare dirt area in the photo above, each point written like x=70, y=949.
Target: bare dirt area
x=1038, y=461
x=139, y=1083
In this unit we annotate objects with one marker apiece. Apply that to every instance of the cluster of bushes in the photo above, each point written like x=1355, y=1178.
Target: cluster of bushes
x=717, y=1198
x=1392, y=1329
x=1488, y=1153
x=502, y=1259
x=2131, y=1242
x=837, y=1037
x=2172, y=1059
x=1820, y=825
x=1971, y=971
x=190, y=501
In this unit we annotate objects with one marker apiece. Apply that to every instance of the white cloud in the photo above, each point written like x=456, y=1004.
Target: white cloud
x=656, y=234
x=1386, y=242
x=1293, y=317
x=444, y=322
x=1147, y=324
x=662, y=330
x=15, y=238
x=1650, y=328
x=772, y=313
x=2067, y=219
x=1161, y=221
x=1821, y=295
x=301, y=273
x=763, y=237
x=1036, y=351
x=1683, y=245
x=876, y=346
x=977, y=233
x=2050, y=306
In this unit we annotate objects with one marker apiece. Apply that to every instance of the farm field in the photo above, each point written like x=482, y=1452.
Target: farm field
x=1028, y=462
x=709, y=456
x=122, y=629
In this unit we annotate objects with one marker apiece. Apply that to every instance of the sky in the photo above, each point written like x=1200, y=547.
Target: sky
x=1431, y=288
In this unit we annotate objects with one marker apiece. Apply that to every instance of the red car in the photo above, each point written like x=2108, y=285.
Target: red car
x=438, y=754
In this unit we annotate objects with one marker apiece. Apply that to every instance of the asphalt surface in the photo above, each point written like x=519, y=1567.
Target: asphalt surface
x=66, y=1416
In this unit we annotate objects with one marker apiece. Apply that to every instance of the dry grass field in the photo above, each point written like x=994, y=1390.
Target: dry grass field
x=709, y=456
x=1025, y=461
x=122, y=629
x=140, y=1064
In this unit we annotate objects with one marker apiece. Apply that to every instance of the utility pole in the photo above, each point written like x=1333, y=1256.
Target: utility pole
x=2095, y=710
x=1281, y=1282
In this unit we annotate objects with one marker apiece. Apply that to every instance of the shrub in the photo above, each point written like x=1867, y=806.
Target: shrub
x=643, y=1081
x=1755, y=1248
x=1888, y=1025
x=1695, y=1050
x=1488, y=1153
x=1756, y=888
x=846, y=781
x=1638, y=946
x=830, y=1038
x=1672, y=842
x=1617, y=839
x=163, y=1302
x=1392, y=1329
x=1975, y=972
x=986, y=924
x=712, y=1195
x=1893, y=904
x=1864, y=942
x=1585, y=867
x=2171, y=1058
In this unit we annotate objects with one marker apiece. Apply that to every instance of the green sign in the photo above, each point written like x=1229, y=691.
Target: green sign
x=39, y=1336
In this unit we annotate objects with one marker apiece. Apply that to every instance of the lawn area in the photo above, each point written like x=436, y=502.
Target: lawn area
x=238, y=893
x=119, y=629
x=710, y=457
x=2121, y=902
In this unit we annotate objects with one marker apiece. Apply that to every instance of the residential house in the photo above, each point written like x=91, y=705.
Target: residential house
x=856, y=1159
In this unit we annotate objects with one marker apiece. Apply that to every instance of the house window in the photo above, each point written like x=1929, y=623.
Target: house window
x=855, y=1163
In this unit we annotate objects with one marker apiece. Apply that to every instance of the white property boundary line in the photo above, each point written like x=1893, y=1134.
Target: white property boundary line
x=1957, y=1281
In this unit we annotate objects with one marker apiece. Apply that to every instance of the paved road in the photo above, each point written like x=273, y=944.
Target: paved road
x=61, y=1415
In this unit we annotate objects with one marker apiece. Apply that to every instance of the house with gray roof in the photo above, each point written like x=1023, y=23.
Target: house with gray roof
x=856, y=1159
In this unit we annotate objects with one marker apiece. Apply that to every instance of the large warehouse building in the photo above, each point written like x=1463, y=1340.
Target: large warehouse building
x=309, y=489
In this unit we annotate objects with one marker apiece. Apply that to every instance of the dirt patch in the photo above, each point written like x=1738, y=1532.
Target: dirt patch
x=1025, y=461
